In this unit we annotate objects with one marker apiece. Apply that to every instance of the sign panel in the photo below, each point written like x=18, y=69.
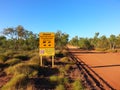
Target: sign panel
x=47, y=51
x=47, y=44
x=47, y=40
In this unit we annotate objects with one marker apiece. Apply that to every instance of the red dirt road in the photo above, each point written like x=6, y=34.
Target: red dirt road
x=107, y=65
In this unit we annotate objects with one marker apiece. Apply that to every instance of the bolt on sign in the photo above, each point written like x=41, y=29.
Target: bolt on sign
x=47, y=44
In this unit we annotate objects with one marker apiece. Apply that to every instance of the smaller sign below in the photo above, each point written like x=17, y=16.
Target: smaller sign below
x=47, y=51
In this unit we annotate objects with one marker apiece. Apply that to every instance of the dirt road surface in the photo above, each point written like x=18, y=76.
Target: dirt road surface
x=107, y=65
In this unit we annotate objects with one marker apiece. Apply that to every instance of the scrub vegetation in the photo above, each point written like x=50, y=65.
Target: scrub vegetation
x=99, y=43
x=20, y=65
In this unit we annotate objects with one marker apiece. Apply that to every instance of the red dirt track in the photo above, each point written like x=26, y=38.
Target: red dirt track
x=107, y=65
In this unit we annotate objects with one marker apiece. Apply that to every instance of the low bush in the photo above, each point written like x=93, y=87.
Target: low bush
x=13, y=61
x=58, y=53
x=65, y=59
x=16, y=83
x=25, y=69
x=22, y=69
x=62, y=71
x=10, y=53
x=63, y=80
x=10, y=70
x=77, y=85
x=53, y=78
x=3, y=58
x=59, y=79
x=67, y=67
x=60, y=87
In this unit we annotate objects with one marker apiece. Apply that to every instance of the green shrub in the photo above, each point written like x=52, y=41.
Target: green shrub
x=13, y=61
x=77, y=85
x=22, y=69
x=16, y=82
x=63, y=80
x=33, y=74
x=54, y=78
x=67, y=67
x=65, y=59
x=66, y=80
x=62, y=71
x=3, y=58
x=58, y=53
x=60, y=87
x=10, y=70
x=59, y=79
x=9, y=53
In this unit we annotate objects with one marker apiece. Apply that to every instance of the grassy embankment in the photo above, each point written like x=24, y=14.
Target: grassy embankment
x=26, y=73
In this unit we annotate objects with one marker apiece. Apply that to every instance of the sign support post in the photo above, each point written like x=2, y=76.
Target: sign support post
x=41, y=61
x=52, y=61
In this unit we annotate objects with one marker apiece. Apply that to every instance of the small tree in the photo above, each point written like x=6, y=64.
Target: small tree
x=74, y=41
x=103, y=43
x=112, y=41
x=61, y=39
x=84, y=43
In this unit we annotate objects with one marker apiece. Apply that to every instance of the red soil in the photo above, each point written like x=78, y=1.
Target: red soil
x=4, y=79
x=107, y=65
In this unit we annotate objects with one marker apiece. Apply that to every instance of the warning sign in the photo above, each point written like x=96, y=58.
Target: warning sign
x=47, y=40
x=47, y=43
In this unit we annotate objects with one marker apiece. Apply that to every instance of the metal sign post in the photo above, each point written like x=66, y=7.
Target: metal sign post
x=40, y=60
x=52, y=61
x=47, y=45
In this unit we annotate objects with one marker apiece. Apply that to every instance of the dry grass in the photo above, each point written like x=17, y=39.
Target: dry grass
x=16, y=83
x=13, y=61
x=22, y=68
x=65, y=59
x=77, y=85
x=60, y=87
x=3, y=58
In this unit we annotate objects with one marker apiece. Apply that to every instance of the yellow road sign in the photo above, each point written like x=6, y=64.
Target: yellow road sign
x=47, y=40
x=47, y=44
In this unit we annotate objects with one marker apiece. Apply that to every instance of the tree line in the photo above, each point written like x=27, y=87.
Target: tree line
x=18, y=38
x=97, y=42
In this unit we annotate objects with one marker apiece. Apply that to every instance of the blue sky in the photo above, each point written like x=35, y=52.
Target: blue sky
x=75, y=17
